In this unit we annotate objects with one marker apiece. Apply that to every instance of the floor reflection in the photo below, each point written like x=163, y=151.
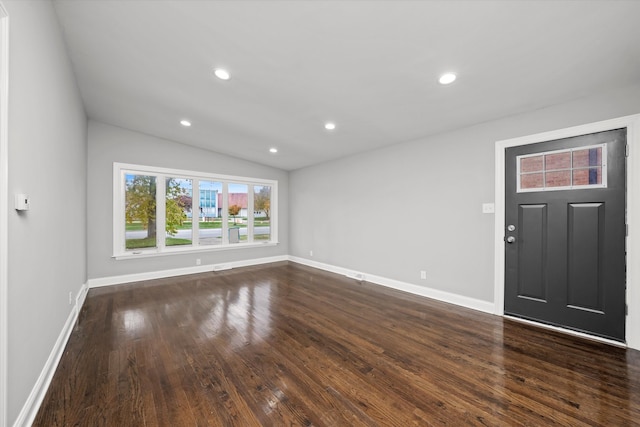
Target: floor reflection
x=133, y=322
x=242, y=315
x=236, y=315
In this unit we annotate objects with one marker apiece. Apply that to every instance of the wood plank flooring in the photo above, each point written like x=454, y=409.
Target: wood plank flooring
x=284, y=344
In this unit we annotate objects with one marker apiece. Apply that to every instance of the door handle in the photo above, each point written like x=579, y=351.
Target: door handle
x=510, y=239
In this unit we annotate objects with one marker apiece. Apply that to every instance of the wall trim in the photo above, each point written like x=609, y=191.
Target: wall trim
x=137, y=277
x=436, y=294
x=632, y=123
x=39, y=390
x=4, y=210
x=472, y=303
x=81, y=297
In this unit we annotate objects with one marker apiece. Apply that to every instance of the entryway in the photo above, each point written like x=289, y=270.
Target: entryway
x=565, y=233
x=562, y=253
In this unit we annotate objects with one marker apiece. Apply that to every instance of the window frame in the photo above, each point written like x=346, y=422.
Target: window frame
x=120, y=170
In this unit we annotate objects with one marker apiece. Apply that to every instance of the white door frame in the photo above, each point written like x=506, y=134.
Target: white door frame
x=632, y=123
x=4, y=208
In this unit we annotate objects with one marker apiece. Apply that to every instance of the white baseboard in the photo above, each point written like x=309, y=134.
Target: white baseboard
x=137, y=277
x=31, y=406
x=475, y=304
x=81, y=296
x=436, y=294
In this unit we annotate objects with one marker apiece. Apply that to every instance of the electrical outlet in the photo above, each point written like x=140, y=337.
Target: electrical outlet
x=70, y=297
x=423, y=275
x=310, y=253
x=198, y=262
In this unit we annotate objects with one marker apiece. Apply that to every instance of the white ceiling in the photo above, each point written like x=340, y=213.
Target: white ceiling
x=370, y=66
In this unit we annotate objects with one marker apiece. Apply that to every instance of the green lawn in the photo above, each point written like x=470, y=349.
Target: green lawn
x=137, y=226
x=150, y=242
x=172, y=241
x=203, y=225
x=134, y=226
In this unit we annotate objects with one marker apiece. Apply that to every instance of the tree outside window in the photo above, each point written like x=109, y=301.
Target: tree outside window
x=234, y=210
x=140, y=211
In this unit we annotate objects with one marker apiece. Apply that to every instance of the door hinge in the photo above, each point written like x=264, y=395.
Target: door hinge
x=626, y=309
x=626, y=150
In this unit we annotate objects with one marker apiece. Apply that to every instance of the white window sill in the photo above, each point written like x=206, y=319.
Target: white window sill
x=155, y=252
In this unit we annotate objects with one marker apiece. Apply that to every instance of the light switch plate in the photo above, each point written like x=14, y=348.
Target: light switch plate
x=488, y=208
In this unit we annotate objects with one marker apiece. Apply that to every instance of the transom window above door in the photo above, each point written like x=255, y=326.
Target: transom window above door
x=568, y=169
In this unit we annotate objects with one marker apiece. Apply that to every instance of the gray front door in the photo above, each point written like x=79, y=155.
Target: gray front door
x=565, y=233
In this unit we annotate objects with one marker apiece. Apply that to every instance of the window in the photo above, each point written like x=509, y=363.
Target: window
x=178, y=201
x=574, y=168
x=237, y=206
x=165, y=211
x=210, y=222
x=140, y=211
x=262, y=212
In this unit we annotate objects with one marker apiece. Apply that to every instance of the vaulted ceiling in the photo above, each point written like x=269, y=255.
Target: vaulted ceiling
x=371, y=67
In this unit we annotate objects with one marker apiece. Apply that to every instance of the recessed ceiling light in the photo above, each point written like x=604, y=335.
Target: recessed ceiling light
x=329, y=126
x=222, y=74
x=185, y=123
x=273, y=150
x=447, y=78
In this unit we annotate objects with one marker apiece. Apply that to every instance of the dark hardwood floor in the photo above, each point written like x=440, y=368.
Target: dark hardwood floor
x=284, y=344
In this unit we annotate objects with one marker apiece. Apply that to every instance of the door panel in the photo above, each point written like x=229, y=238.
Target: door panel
x=565, y=257
x=585, y=246
x=532, y=248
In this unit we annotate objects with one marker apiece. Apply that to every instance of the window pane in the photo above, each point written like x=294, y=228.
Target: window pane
x=531, y=164
x=140, y=211
x=588, y=157
x=178, y=211
x=558, y=179
x=587, y=176
x=563, y=169
x=531, y=180
x=557, y=161
x=210, y=213
x=262, y=212
x=238, y=212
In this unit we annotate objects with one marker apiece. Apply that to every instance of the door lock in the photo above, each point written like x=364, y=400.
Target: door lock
x=511, y=227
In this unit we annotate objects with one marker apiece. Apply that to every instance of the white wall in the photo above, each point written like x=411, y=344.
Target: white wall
x=417, y=206
x=47, y=160
x=109, y=144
